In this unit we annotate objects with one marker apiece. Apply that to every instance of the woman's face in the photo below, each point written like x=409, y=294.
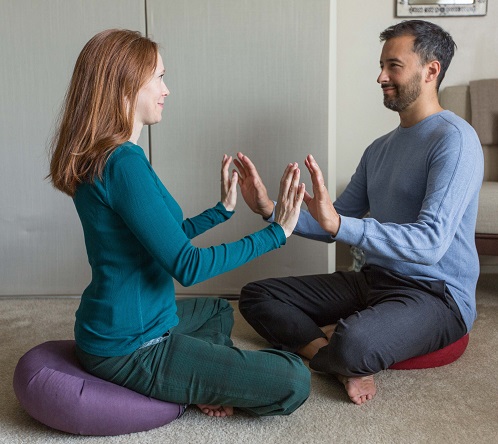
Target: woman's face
x=151, y=97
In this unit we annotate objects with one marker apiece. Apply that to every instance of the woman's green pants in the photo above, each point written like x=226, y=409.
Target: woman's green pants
x=198, y=364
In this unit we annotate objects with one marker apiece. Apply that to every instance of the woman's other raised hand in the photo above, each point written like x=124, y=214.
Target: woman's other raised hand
x=290, y=198
x=228, y=184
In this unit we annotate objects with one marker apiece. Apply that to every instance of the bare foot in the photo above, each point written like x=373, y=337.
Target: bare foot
x=360, y=389
x=219, y=411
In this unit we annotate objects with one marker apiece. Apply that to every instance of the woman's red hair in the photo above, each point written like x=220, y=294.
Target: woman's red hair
x=99, y=107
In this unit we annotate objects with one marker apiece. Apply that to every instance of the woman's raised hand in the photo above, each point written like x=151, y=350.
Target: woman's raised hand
x=228, y=184
x=290, y=197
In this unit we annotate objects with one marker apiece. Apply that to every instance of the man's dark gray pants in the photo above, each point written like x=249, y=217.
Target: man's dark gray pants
x=382, y=317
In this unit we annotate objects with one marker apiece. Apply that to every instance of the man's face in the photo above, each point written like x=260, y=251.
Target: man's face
x=401, y=73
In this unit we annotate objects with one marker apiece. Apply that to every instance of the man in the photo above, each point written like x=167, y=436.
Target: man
x=419, y=185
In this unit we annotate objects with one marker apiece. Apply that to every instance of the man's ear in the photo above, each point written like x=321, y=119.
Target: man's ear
x=432, y=71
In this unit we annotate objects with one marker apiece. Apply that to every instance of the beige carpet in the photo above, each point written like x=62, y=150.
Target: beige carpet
x=453, y=404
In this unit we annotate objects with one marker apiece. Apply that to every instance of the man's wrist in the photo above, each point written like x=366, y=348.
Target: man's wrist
x=334, y=232
x=267, y=212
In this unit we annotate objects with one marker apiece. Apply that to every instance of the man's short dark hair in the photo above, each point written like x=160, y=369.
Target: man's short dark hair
x=431, y=42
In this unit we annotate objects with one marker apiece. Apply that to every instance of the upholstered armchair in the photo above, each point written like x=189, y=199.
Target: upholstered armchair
x=478, y=104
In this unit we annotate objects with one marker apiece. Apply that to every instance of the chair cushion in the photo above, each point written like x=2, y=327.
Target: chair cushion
x=441, y=357
x=487, y=218
x=54, y=389
x=484, y=107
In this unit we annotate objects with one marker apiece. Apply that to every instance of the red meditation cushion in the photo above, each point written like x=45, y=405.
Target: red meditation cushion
x=441, y=357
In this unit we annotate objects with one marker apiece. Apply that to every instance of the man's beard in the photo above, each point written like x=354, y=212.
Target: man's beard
x=405, y=95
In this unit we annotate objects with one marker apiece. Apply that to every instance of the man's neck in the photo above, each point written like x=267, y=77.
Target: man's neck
x=419, y=110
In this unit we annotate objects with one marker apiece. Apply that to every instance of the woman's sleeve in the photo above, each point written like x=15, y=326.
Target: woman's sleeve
x=134, y=195
x=208, y=219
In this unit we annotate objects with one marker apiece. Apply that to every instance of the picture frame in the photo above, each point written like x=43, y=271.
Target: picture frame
x=441, y=8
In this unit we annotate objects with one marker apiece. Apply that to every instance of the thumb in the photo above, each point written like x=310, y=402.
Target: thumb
x=307, y=197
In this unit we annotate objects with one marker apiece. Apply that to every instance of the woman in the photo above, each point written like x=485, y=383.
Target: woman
x=129, y=329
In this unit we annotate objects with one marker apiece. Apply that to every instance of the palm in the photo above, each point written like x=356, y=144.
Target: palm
x=321, y=209
x=312, y=205
x=254, y=192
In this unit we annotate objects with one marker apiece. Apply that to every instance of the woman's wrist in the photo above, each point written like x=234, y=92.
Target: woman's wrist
x=227, y=206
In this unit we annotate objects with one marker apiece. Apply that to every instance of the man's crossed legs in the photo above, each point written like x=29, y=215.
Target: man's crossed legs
x=353, y=324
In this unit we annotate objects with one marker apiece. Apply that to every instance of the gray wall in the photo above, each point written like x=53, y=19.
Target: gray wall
x=41, y=241
x=363, y=117
x=250, y=75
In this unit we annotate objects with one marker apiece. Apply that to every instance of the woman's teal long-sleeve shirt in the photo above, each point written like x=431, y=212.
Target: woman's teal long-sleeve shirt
x=137, y=242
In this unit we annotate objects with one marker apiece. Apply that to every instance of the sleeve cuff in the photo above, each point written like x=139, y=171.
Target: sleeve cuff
x=271, y=219
x=223, y=211
x=351, y=231
x=279, y=232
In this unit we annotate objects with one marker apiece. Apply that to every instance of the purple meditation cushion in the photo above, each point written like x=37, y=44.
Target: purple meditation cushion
x=54, y=389
x=441, y=357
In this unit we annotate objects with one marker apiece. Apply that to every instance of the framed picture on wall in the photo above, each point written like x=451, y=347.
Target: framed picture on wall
x=440, y=8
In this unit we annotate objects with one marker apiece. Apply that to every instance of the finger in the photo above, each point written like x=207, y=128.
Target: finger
x=240, y=167
x=227, y=160
x=312, y=166
x=297, y=195
x=286, y=179
x=288, y=172
x=285, y=174
x=234, y=180
x=308, y=165
x=248, y=165
x=294, y=184
x=281, y=190
x=301, y=192
x=316, y=174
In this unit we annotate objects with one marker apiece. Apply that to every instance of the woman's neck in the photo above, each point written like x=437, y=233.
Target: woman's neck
x=137, y=129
